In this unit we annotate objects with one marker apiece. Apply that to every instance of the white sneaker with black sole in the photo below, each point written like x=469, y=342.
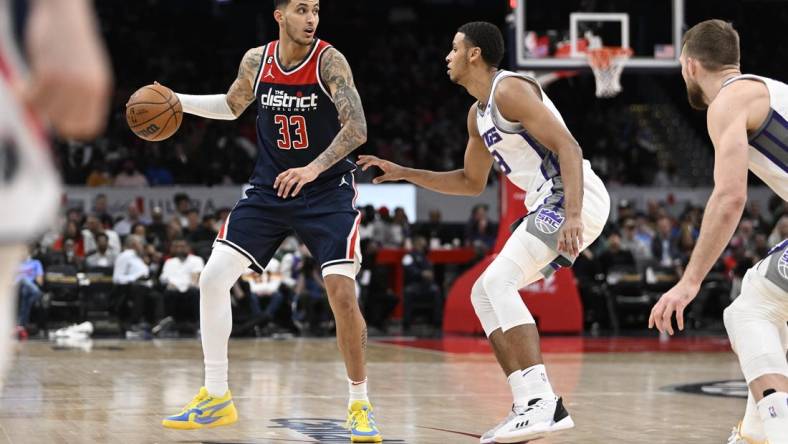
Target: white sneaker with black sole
x=489, y=436
x=539, y=418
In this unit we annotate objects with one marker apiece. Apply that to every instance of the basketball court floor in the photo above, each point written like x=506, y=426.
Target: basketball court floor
x=424, y=391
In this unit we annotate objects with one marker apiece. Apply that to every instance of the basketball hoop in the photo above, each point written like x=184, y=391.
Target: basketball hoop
x=607, y=63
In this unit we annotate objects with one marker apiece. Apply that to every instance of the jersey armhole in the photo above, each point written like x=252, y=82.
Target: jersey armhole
x=260, y=68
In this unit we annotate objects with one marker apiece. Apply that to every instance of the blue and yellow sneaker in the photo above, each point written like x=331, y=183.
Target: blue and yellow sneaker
x=361, y=423
x=204, y=411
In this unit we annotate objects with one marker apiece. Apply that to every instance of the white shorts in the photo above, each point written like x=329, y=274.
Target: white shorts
x=537, y=236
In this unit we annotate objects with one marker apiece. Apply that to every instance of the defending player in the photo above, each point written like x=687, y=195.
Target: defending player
x=302, y=182
x=514, y=123
x=66, y=84
x=748, y=124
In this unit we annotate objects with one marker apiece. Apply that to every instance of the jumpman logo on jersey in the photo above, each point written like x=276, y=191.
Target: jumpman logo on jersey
x=342, y=181
x=269, y=73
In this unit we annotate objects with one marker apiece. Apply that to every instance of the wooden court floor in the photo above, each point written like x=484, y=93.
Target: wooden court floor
x=295, y=391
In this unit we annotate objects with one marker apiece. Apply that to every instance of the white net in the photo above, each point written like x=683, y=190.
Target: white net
x=608, y=64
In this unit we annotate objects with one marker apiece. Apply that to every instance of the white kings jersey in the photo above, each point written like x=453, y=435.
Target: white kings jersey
x=527, y=163
x=29, y=184
x=769, y=143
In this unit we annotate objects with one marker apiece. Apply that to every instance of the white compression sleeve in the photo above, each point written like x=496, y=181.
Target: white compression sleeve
x=209, y=106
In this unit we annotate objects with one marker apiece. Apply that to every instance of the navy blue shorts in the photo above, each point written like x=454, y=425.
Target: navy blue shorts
x=325, y=218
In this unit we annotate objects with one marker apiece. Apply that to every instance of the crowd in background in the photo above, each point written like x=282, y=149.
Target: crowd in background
x=153, y=265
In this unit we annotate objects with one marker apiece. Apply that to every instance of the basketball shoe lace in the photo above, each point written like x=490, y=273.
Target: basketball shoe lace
x=200, y=397
x=359, y=419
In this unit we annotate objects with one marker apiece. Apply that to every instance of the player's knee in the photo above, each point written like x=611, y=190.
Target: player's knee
x=479, y=298
x=343, y=306
x=211, y=282
x=497, y=280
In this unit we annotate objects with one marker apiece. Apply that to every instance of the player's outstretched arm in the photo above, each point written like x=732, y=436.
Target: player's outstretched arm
x=727, y=124
x=240, y=95
x=468, y=181
x=335, y=71
x=519, y=101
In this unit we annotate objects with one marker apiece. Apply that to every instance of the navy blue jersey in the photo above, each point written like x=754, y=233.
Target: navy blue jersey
x=296, y=118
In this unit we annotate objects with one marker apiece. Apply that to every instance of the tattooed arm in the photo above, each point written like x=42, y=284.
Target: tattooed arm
x=241, y=93
x=335, y=71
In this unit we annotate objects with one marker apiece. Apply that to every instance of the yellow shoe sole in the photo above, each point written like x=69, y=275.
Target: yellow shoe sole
x=377, y=438
x=188, y=425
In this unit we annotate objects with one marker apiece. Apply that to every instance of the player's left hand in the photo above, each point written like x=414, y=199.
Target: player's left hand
x=676, y=299
x=570, y=238
x=294, y=179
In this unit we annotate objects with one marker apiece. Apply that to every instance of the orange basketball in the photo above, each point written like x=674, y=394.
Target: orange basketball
x=154, y=112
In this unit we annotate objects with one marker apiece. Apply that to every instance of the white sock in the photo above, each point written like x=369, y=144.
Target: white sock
x=519, y=389
x=358, y=391
x=774, y=414
x=751, y=424
x=224, y=267
x=536, y=383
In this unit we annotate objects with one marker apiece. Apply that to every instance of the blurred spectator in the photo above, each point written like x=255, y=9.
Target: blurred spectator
x=174, y=231
x=70, y=232
x=131, y=275
x=381, y=228
x=103, y=256
x=30, y=280
x=101, y=210
x=181, y=276
x=435, y=230
x=130, y=176
x=68, y=255
x=625, y=210
x=221, y=217
x=615, y=255
x=202, y=238
x=99, y=176
x=157, y=230
x=686, y=242
x=92, y=228
x=744, y=237
x=663, y=246
x=311, y=294
x=183, y=205
x=378, y=299
x=631, y=243
x=123, y=226
x=420, y=291
x=753, y=213
x=400, y=227
x=480, y=232
x=366, y=227
x=192, y=223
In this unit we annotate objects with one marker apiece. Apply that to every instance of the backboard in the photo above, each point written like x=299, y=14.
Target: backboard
x=553, y=35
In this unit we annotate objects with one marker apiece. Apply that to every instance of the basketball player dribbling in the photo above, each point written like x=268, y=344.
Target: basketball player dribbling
x=748, y=124
x=53, y=72
x=514, y=123
x=310, y=118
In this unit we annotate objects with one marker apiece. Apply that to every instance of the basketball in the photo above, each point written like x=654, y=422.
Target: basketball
x=154, y=112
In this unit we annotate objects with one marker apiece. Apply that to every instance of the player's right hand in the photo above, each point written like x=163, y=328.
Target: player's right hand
x=391, y=171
